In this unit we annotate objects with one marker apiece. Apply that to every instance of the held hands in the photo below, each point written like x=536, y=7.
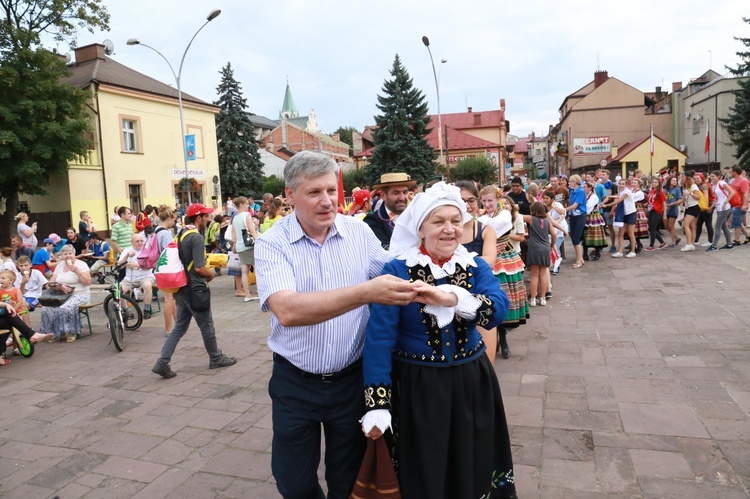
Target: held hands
x=430, y=295
x=391, y=290
x=375, y=422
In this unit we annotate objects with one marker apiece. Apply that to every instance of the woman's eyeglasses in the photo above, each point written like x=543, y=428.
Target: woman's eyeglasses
x=470, y=201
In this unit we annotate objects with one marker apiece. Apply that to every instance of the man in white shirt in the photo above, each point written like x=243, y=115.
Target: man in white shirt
x=135, y=276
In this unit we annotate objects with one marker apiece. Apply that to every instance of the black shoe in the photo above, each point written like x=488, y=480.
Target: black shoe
x=585, y=258
x=221, y=361
x=146, y=314
x=727, y=247
x=502, y=342
x=163, y=370
x=548, y=295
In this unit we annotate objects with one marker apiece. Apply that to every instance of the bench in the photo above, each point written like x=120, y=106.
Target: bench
x=83, y=310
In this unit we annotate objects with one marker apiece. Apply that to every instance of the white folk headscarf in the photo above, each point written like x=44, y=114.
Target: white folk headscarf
x=406, y=232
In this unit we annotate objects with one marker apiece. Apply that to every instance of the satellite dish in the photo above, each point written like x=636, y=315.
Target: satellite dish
x=68, y=58
x=109, y=47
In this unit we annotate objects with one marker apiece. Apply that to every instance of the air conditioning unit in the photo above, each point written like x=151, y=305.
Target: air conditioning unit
x=683, y=148
x=687, y=115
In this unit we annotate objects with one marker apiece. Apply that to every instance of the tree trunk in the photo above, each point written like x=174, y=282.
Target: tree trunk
x=8, y=219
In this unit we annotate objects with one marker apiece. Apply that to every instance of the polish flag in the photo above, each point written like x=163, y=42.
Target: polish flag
x=652, y=139
x=341, y=200
x=707, y=147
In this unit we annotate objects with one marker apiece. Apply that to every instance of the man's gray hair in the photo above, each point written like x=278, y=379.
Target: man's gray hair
x=307, y=164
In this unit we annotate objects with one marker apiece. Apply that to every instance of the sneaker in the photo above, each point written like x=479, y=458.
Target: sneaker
x=542, y=301
x=613, y=249
x=163, y=370
x=706, y=244
x=221, y=361
x=678, y=241
x=727, y=247
x=630, y=255
x=146, y=314
x=532, y=302
x=671, y=245
x=650, y=248
x=687, y=247
x=662, y=246
x=548, y=295
x=617, y=255
x=554, y=272
x=712, y=248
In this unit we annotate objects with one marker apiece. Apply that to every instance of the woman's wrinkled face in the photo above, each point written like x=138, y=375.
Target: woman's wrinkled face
x=67, y=255
x=441, y=232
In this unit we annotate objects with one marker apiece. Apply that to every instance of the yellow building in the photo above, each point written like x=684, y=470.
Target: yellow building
x=632, y=156
x=137, y=156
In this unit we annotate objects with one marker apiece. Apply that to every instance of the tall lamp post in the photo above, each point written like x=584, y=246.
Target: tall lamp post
x=426, y=42
x=178, y=80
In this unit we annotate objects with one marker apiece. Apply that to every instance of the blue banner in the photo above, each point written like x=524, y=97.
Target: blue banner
x=190, y=147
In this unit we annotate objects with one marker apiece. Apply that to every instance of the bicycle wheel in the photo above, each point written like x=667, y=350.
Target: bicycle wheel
x=25, y=347
x=115, y=326
x=132, y=316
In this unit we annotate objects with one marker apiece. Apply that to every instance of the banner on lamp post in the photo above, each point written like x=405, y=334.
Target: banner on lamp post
x=190, y=147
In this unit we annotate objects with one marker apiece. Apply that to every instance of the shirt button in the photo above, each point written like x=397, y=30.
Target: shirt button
x=448, y=343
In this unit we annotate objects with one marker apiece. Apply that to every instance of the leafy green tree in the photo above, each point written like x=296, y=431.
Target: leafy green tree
x=345, y=135
x=354, y=178
x=400, y=143
x=240, y=167
x=274, y=185
x=476, y=168
x=42, y=120
x=738, y=122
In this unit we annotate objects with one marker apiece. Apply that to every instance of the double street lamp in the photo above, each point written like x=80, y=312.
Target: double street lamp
x=178, y=80
x=426, y=42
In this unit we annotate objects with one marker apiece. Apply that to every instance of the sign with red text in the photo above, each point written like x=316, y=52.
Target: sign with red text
x=591, y=145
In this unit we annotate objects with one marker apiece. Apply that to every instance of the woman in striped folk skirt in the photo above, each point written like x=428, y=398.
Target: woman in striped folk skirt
x=594, y=235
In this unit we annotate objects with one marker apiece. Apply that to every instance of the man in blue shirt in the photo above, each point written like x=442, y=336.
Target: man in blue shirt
x=317, y=271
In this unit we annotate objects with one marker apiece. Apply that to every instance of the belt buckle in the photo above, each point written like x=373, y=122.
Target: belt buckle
x=328, y=377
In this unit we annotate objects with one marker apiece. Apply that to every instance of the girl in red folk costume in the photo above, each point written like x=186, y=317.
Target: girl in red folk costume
x=656, y=203
x=508, y=267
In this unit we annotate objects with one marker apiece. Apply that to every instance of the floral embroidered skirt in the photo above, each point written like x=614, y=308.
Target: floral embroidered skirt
x=64, y=319
x=510, y=275
x=457, y=453
x=594, y=235
x=641, y=223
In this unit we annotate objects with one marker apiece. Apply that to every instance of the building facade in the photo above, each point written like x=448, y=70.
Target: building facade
x=137, y=154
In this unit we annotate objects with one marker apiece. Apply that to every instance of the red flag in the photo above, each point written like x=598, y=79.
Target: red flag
x=652, y=139
x=342, y=201
x=707, y=147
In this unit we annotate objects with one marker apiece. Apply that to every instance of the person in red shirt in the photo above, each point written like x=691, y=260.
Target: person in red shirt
x=656, y=199
x=739, y=203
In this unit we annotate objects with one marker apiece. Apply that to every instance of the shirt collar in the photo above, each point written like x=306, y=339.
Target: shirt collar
x=296, y=232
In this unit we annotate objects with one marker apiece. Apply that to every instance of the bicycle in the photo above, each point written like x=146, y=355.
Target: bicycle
x=122, y=310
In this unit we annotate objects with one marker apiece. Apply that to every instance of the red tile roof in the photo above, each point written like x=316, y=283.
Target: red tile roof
x=487, y=119
x=458, y=140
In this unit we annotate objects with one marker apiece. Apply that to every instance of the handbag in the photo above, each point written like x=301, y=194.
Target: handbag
x=233, y=262
x=247, y=239
x=53, y=297
x=376, y=477
x=200, y=298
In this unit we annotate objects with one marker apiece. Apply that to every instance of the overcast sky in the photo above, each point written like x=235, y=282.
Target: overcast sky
x=336, y=54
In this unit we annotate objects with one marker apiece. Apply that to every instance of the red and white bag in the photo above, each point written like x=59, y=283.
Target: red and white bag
x=169, y=271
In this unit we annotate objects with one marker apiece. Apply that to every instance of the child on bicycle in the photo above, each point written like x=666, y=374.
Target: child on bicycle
x=31, y=285
x=12, y=306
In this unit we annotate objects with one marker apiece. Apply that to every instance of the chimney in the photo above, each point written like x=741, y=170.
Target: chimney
x=477, y=119
x=658, y=91
x=676, y=86
x=600, y=77
x=336, y=137
x=469, y=110
x=89, y=53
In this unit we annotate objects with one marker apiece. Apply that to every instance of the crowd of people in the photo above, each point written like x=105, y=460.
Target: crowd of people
x=386, y=311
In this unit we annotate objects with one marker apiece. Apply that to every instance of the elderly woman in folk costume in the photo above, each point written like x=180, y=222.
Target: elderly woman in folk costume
x=442, y=397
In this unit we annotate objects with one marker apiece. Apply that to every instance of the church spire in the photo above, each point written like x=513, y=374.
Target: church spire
x=288, y=110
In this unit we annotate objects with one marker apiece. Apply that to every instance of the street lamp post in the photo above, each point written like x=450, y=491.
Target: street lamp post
x=178, y=80
x=426, y=42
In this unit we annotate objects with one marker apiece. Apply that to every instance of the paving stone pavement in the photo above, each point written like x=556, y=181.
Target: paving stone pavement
x=631, y=383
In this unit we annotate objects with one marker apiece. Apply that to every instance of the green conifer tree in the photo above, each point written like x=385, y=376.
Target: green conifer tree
x=400, y=143
x=240, y=167
x=738, y=122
